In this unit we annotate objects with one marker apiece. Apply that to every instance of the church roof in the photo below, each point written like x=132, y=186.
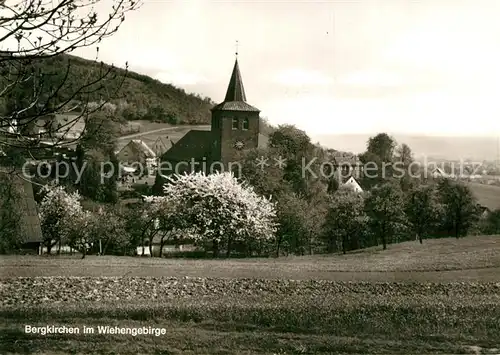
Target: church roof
x=193, y=145
x=235, y=90
x=235, y=99
x=235, y=106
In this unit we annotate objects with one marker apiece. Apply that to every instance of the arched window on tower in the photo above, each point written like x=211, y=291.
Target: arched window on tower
x=246, y=124
x=235, y=123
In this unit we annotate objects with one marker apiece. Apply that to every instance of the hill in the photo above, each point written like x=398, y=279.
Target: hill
x=431, y=147
x=139, y=97
x=487, y=195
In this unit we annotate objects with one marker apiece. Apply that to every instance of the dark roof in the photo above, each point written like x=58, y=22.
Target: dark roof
x=235, y=106
x=193, y=145
x=235, y=89
x=342, y=158
x=235, y=99
x=29, y=221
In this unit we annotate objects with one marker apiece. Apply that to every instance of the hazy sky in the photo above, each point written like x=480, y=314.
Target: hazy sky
x=424, y=66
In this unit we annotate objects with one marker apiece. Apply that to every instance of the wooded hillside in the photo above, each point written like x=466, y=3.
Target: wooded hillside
x=139, y=97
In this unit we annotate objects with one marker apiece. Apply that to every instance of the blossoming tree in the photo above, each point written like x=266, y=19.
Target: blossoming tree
x=58, y=212
x=215, y=208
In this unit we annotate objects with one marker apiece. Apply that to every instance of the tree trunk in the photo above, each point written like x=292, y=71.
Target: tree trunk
x=420, y=238
x=215, y=248
x=59, y=247
x=84, y=253
x=162, y=243
x=344, y=241
x=228, y=252
x=278, y=244
x=384, y=240
x=105, y=247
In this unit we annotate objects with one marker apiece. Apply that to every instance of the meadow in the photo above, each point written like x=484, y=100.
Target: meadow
x=149, y=132
x=439, y=297
x=487, y=195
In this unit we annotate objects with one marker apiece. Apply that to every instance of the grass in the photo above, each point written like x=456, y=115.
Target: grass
x=487, y=195
x=439, y=297
x=436, y=260
x=172, y=132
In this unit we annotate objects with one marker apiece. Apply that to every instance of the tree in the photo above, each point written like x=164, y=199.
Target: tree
x=345, y=220
x=382, y=145
x=461, y=210
x=35, y=79
x=423, y=210
x=292, y=228
x=403, y=166
x=59, y=211
x=219, y=209
x=295, y=146
x=81, y=232
x=385, y=208
x=267, y=181
x=333, y=185
x=378, y=160
x=492, y=223
x=109, y=229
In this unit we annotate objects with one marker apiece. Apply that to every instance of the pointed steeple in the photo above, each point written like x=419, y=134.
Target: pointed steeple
x=235, y=90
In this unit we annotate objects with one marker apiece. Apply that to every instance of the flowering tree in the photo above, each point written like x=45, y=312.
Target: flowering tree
x=81, y=232
x=59, y=211
x=215, y=208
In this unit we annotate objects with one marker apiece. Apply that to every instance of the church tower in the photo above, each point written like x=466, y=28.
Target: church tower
x=235, y=123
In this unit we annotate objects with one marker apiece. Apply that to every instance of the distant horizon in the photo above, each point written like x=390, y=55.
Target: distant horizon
x=352, y=133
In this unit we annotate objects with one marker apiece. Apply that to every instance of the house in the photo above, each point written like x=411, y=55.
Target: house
x=439, y=173
x=235, y=127
x=484, y=211
x=31, y=231
x=351, y=182
x=138, y=152
x=161, y=145
x=347, y=164
x=67, y=126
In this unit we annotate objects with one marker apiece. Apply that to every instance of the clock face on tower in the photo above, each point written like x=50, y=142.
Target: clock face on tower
x=239, y=145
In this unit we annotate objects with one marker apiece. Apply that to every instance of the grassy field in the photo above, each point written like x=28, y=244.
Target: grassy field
x=487, y=195
x=439, y=297
x=167, y=132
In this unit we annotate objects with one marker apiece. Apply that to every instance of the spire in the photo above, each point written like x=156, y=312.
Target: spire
x=235, y=90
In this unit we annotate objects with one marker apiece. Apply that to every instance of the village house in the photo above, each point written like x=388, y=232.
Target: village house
x=161, y=145
x=137, y=152
x=351, y=182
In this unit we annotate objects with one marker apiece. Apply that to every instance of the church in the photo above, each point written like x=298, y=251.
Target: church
x=235, y=127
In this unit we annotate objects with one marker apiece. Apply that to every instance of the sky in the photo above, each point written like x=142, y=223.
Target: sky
x=329, y=67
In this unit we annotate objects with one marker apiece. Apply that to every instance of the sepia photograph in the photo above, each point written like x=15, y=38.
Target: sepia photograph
x=249, y=177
